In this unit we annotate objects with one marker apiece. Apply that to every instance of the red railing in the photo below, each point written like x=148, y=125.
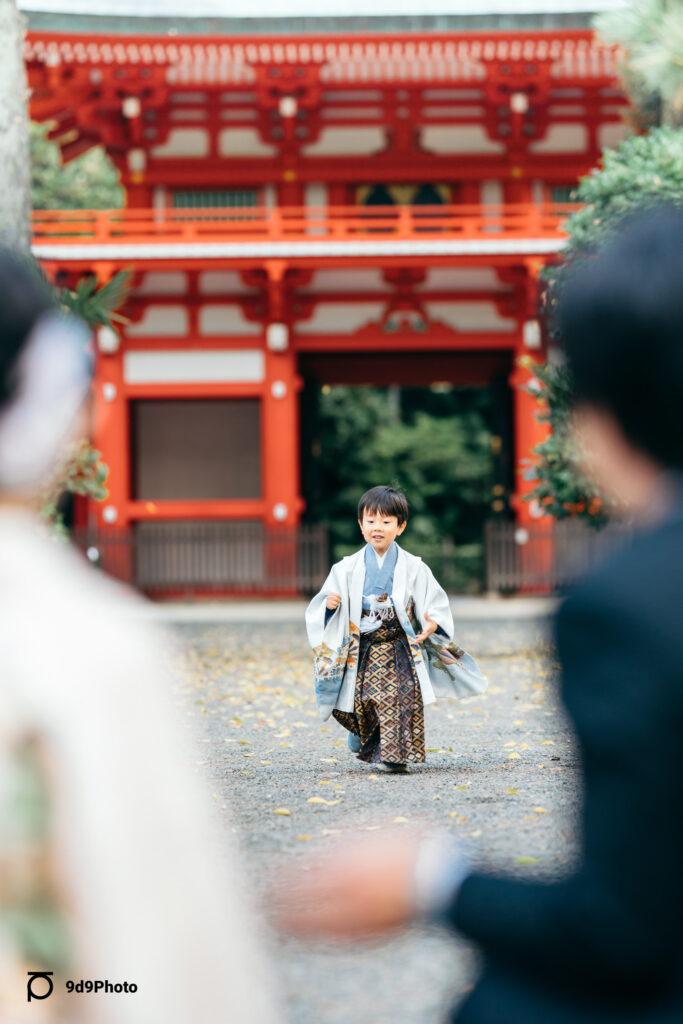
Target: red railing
x=298, y=224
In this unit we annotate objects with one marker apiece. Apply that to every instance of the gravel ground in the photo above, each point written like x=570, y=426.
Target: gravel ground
x=501, y=773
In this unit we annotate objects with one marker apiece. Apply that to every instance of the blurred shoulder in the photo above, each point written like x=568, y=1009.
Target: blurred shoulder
x=638, y=589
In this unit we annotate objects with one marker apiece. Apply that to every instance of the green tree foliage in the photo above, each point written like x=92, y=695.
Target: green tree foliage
x=651, y=33
x=98, y=306
x=82, y=470
x=561, y=488
x=435, y=446
x=643, y=171
x=90, y=182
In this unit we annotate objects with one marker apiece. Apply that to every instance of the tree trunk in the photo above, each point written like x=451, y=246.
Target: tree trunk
x=15, y=174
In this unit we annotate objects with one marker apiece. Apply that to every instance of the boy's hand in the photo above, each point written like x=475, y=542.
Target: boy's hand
x=427, y=631
x=334, y=600
x=364, y=887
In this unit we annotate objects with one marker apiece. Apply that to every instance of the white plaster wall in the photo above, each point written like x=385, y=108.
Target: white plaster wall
x=222, y=282
x=194, y=367
x=459, y=139
x=562, y=138
x=341, y=317
x=216, y=320
x=161, y=321
x=470, y=316
x=461, y=279
x=537, y=192
x=491, y=192
x=243, y=142
x=184, y=142
x=610, y=135
x=370, y=280
x=163, y=283
x=348, y=141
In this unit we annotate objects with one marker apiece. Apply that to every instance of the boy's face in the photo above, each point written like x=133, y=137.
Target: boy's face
x=380, y=531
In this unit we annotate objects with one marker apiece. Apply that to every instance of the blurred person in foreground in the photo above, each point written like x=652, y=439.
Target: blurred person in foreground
x=605, y=944
x=108, y=869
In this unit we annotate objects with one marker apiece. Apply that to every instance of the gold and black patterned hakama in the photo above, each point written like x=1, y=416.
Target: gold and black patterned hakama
x=388, y=711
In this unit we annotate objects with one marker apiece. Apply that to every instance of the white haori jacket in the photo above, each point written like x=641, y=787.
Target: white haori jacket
x=442, y=668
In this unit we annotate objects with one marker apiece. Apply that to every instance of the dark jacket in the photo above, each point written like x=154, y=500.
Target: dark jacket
x=606, y=945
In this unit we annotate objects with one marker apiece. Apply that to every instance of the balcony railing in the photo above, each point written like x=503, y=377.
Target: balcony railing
x=210, y=559
x=546, y=556
x=298, y=224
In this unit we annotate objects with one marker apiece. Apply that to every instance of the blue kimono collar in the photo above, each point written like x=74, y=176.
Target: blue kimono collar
x=379, y=580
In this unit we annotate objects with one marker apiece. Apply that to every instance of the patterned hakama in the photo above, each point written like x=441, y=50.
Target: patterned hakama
x=388, y=712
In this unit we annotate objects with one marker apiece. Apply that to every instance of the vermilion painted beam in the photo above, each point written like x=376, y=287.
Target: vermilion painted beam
x=164, y=510
x=213, y=390
x=196, y=342
x=242, y=172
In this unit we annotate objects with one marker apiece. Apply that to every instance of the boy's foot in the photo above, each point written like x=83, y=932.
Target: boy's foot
x=354, y=742
x=393, y=768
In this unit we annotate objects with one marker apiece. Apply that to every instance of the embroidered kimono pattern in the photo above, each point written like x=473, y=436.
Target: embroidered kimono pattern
x=442, y=668
x=388, y=711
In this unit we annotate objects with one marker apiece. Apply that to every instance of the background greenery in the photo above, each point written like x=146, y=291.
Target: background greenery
x=433, y=443
x=642, y=172
x=91, y=182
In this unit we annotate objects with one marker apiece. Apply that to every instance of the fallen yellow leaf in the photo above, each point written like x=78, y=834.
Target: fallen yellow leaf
x=526, y=860
x=540, y=810
x=400, y=820
x=303, y=837
x=282, y=810
x=513, y=757
x=512, y=790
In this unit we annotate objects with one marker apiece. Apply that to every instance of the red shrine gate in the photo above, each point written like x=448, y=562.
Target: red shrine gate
x=295, y=198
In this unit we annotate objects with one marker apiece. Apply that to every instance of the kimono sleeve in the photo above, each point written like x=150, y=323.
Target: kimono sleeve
x=431, y=598
x=330, y=640
x=316, y=613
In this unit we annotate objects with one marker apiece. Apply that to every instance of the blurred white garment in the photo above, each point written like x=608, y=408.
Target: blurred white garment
x=52, y=379
x=152, y=901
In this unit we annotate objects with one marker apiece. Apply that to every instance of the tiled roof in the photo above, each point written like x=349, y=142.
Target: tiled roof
x=312, y=8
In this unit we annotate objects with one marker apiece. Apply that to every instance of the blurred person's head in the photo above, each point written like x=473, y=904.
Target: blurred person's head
x=44, y=378
x=621, y=324
x=382, y=516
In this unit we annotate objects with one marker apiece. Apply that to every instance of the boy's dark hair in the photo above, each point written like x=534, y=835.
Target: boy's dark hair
x=621, y=325
x=24, y=298
x=387, y=501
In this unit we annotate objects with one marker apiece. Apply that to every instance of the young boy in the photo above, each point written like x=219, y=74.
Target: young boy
x=381, y=630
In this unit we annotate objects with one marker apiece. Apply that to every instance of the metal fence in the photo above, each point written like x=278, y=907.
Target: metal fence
x=546, y=556
x=211, y=558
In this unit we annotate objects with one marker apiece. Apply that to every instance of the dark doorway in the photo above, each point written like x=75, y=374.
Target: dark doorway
x=436, y=424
